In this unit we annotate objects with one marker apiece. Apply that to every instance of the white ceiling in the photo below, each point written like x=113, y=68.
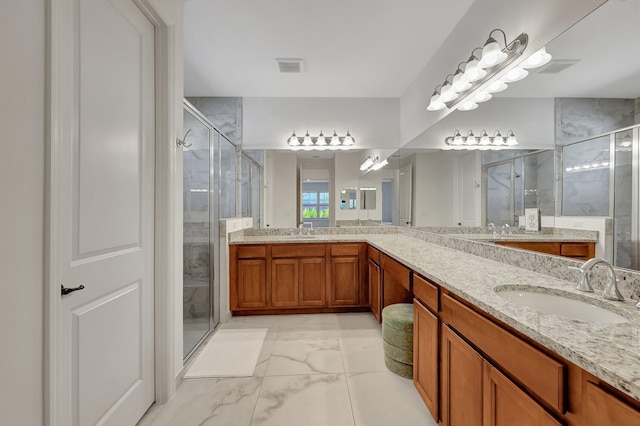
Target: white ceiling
x=352, y=48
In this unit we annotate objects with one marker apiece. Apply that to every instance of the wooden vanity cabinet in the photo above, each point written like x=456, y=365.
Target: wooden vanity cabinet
x=396, y=282
x=373, y=281
x=426, y=333
x=298, y=274
x=603, y=408
x=293, y=277
x=462, y=372
x=249, y=276
x=575, y=250
x=345, y=287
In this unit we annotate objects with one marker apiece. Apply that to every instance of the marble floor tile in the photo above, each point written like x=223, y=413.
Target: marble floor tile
x=383, y=398
x=318, y=369
x=309, y=322
x=227, y=401
x=309, y=400
x=358, y=321
x=305, y=355
x=362, y=351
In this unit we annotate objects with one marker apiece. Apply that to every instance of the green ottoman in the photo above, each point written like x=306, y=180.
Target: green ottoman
x=397, y=336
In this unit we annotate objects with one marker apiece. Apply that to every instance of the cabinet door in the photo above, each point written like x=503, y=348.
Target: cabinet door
x=284, y=283
x=602, y=408
x=505, y=404
x=374, y=289
x=425, y=356
x=345, y=289
x=252, y=283
x=462, y=370
x=312, y=282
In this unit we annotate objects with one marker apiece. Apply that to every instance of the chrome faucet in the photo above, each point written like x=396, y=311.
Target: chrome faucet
x=506, y=229
x=493, y=230
x=300, y=228
x=611, y=291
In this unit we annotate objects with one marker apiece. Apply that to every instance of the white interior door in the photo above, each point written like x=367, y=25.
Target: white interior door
x=406, y=194
x=103, y=211
x=468, y=189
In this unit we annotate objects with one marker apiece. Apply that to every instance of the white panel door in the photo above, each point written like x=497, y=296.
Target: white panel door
x=468, y=191
x=406, y=194
x=104, y=211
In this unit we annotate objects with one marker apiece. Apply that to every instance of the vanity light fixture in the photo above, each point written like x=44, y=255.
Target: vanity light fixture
x=308, y=142
x=475, y=80
x=372, y=162
x=482, y=142
x=368, y=162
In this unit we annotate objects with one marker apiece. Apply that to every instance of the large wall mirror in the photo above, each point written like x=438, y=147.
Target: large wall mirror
x=574, y=119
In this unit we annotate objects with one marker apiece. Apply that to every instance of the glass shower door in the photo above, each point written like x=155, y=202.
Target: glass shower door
x=625, y=249
x=197, y=257
x=499, y=202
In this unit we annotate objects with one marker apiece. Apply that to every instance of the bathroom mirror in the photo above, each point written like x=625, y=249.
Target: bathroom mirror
x=348, y=198
x=368, y=198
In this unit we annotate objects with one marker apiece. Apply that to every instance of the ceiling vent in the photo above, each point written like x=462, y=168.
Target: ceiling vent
x=291, y=65
x=557, y=65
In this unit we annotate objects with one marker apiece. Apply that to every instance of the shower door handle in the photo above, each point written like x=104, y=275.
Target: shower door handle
x=64, y=291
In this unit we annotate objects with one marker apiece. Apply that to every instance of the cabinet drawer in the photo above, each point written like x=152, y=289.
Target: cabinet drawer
x=538, y=372
x=298, y=250
x=426, y=292
x=248, y=252
x=541, y=247
x=373, y=254
x=345, y=249
x=574, y=249
x=397, y=270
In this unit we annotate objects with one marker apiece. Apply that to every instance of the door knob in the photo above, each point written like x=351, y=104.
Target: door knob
x=65, y=291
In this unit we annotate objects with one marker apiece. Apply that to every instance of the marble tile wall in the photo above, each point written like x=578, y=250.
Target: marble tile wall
x=224, y=113
x=580, y=118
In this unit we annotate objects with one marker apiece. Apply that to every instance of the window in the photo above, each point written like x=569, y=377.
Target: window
x=315, y=205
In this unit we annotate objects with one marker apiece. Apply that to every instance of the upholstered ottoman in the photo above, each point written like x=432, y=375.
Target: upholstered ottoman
x=397, y=336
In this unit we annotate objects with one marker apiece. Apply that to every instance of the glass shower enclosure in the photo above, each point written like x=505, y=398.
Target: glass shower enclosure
x=205, y=148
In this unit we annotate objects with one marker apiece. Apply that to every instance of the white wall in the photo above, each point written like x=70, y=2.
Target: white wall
x=542, y=23
x=22, y=120
x=280, y=189
x=373, y=122
x=433, y=189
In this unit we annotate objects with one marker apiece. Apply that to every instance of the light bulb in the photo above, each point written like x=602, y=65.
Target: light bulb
x=471, y=139
x=307, y=140
x=537, y=59
x=482, y=96
x=492, y=55
x=484, y=138
x=457, y=138
x=458, y=83
x=335, y=140
x=468, y=106
x=293, y=140
x=511, y=139
x=321, y=141
x=497, y=86
x=498, y=140
x=515, y=74
x=348, y=140
x=472, y=72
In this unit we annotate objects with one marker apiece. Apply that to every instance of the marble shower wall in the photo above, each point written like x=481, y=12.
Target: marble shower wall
x=224, y=113
x=581, y=118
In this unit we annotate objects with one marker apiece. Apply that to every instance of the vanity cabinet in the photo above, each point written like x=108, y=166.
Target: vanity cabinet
x=603, y=408
x=298, y=276
x=575, y=250
x=396, y=282
x=292, y=277
x=426, y=330
x=374, y=279
x=474, y=392
x=344, y=283
x=250, y=276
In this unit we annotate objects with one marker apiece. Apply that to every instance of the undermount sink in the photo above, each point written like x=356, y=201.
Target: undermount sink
x=559, y=303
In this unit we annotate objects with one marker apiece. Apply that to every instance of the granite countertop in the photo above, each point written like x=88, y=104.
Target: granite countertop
x=489, y=238
x=608, y=351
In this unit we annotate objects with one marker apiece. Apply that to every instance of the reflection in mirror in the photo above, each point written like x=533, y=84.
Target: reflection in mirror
x=348, y=198
x=368, y=198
